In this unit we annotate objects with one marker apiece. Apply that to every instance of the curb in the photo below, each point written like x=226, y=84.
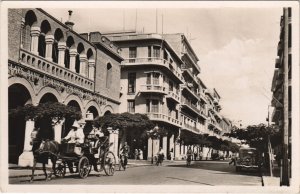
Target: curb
x=67, y=173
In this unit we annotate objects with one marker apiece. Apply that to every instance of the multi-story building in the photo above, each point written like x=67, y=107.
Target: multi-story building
x=150, y=84
x=284, y=59
x=49, y=61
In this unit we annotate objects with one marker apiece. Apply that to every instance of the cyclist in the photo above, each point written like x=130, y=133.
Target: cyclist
x=124, y=153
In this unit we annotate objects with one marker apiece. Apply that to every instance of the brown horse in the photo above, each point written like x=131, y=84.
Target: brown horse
x=47, y=149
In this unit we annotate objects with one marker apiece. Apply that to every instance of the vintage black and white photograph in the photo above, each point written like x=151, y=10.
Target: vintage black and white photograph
x=167, y=94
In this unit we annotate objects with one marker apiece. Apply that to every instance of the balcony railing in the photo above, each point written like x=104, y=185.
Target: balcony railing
x=153, y=61
x=191, y=127
x=153, y=89
x=189, y=72
x=165, y=118
x=173, y=95
x=194, y=94
x=191, y=106
x=215, y=125
x=47, y=67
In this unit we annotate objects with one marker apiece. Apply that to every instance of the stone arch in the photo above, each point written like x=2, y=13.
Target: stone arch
x=58, y=37
x=107, y=109
x=108, y=79
x=26, y=84
x=70, y=44
x=30, y=18
x=50, y=90
x=75, y=98
x=30, y=21
x=45, y=30
x=18, y=96
x=74, y=101
x=80, y=51
x=92, y=103
x=90, y=54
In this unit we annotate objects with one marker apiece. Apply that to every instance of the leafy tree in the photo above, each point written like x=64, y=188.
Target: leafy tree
x=53, y=112
x=138, y=123
x=257, y=136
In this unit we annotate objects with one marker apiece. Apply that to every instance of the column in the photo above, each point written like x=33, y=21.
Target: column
x=114, y=138
x=35, y=32
x=22, y=27
x=49, y=39
x=91, y=70
x=58, y=130
x=149, y=155
x=177, y=150
x=155, y=146
x=26, y=158
x=61, y=53
x=73, y=53
x=171, y=146
x=83, y=61
x=164, y=147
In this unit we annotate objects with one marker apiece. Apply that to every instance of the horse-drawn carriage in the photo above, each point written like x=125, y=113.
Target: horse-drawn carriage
x=97, y=156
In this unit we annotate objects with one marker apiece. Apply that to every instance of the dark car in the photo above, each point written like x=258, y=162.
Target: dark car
x=248, y=158
x=217, y=156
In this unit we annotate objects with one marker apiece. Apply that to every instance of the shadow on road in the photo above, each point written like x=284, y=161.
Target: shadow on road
x=219, y=168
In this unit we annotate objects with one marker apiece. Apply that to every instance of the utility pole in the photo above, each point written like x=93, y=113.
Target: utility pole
x=269, y=145
x=285, y=170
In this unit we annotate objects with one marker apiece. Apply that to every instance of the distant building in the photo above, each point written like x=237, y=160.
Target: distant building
x=49, y=62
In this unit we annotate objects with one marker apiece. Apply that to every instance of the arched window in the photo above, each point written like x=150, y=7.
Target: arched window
x=30, y=19
x=70, y=44
x=108, y=75
x=45, y=29
x=90, y=70
x=58, y=37
x=80, y=49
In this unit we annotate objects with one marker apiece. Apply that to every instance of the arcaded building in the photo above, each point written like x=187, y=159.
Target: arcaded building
x=49, y=62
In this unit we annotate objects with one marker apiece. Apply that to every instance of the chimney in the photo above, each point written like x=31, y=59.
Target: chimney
x=69, y=23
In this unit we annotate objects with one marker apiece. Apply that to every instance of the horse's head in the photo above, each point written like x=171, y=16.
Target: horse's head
x=48, y=146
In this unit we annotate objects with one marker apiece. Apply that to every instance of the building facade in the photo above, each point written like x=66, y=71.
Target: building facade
x=282, y=79
x=49, y=62
x=160, y=78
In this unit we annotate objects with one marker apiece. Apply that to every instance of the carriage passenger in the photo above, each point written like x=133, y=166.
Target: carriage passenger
x=76, y=136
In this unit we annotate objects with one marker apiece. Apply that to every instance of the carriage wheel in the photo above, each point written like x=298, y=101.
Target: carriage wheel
x=60, y=170
x=109, y=163
x=83, y=167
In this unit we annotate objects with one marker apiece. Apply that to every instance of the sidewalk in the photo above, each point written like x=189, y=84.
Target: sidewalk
x=267, y=180
x=16, y=171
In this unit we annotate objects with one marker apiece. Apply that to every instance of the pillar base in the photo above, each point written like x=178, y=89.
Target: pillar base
x=26, y=159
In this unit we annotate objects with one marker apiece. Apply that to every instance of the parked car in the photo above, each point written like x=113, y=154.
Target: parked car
x=217, y=156
x=248, y=158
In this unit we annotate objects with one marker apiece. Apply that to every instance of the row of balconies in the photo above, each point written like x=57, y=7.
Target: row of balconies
x=153, y=61
x=164, y=118
x=52, y=69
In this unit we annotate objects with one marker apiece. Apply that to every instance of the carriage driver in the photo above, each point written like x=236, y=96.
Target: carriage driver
x=76, y=136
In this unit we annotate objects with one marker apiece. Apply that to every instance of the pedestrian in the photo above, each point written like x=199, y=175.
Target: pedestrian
x=195, y=154
x=200, y=155
x=136, y=153
x=233, y=159
x=171, y=154
x=141, y=154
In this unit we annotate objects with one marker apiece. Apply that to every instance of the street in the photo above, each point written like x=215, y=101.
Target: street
x=202, y=173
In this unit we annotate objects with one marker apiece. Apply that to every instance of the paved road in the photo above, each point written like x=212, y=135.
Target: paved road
x=202, y=173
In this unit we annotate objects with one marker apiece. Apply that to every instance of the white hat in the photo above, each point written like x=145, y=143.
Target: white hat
x=75, y=124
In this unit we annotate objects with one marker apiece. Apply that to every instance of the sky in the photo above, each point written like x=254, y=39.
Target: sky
x=236, y=47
